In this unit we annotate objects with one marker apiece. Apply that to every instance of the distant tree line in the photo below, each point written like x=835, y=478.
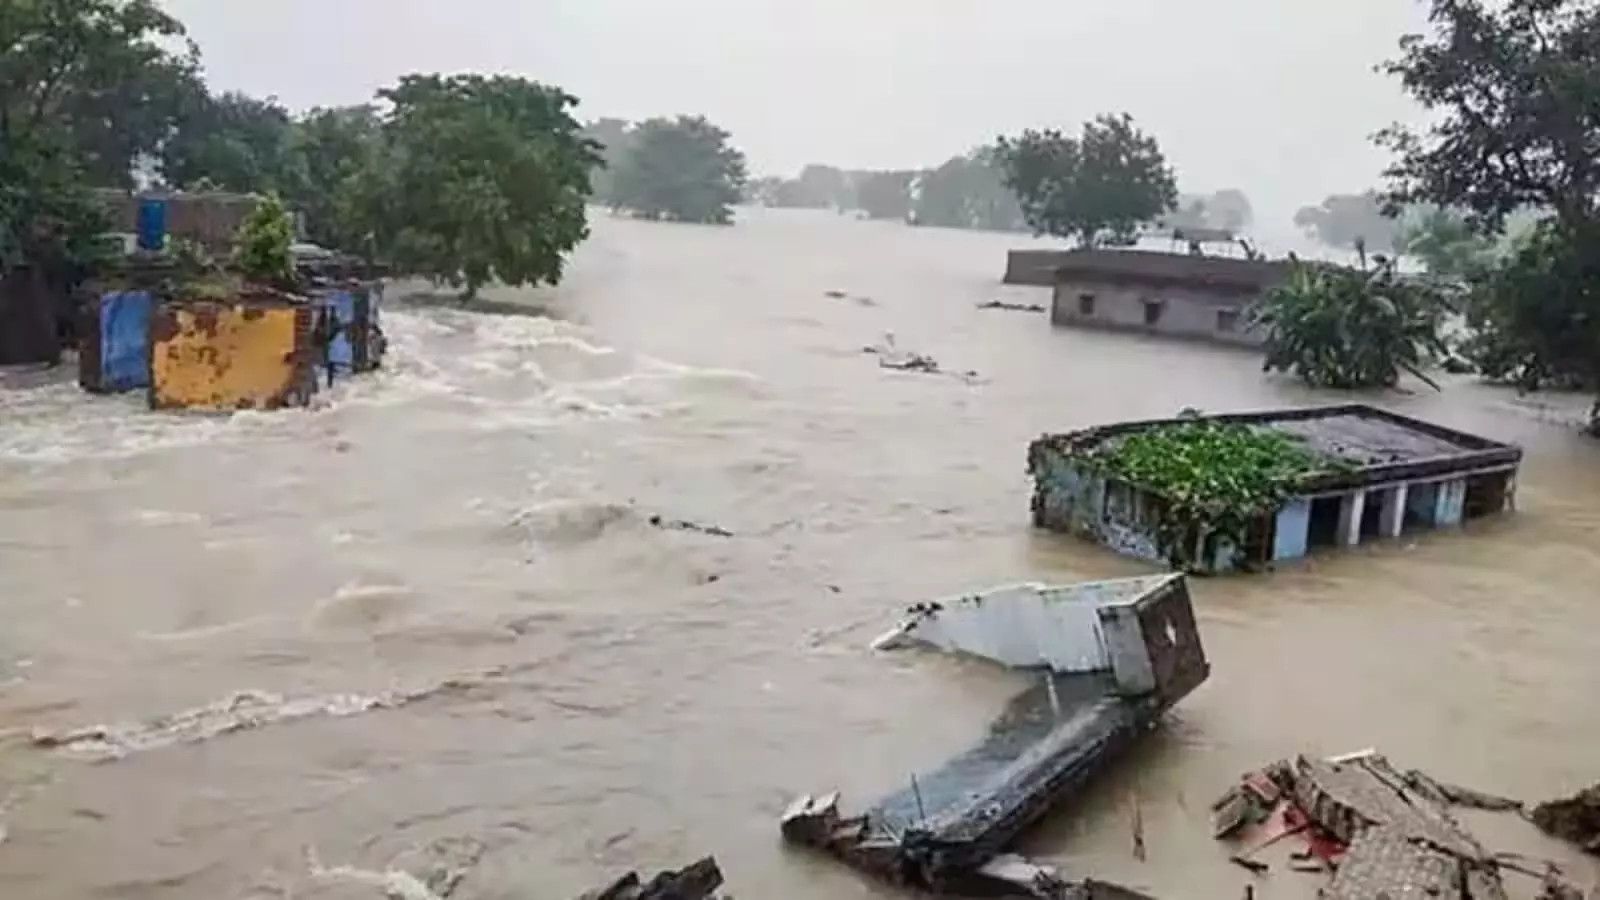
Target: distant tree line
x=1003, y=186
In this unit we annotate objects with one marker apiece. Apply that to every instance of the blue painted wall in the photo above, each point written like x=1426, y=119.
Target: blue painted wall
x=125, y=340
x=341, y=354
x=1293, y=530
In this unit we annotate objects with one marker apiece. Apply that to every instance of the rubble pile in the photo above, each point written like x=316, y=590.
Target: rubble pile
x=697, y=881
x=1373, y=831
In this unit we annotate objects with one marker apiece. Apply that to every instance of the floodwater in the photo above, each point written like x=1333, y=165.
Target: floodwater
x=630, y=697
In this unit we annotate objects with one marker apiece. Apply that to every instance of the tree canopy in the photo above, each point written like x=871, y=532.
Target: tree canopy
x=99, y=79
x=87, y=88
x=477, y=178
x=681, y=169
x=1097, y=188
x=1513, y=88
x=1510, y=89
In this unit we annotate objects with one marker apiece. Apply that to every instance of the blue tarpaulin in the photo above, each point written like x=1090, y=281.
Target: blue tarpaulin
x=125, y=340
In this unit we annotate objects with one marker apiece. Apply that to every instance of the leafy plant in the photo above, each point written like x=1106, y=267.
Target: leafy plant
x=1211, y=479
x=1351, y=328
x=264, y=248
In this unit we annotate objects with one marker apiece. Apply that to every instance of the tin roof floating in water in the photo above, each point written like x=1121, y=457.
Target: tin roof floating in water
x=1370, y=474
x=1110, y=658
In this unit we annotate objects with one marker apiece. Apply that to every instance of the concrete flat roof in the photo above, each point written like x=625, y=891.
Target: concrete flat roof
x=1379, y=445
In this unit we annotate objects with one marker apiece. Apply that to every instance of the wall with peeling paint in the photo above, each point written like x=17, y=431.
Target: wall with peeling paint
x=227, y=356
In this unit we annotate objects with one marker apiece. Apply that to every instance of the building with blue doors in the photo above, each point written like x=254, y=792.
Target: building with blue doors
x=1393, y=475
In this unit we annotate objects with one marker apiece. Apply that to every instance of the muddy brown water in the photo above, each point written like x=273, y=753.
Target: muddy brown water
x=483, y=503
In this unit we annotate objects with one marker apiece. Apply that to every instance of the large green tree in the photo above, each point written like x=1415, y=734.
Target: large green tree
x=477, y=179
x=100, y=80
x=1511, y=88
x=1098, y=188
x=681, y=169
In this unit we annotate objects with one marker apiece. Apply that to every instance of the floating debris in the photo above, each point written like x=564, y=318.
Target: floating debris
x=657, y=521
x=447, y=863
x=1013, y=307
x=240, y=711
x=1382, y=833
x=891, y=357
x=698, y=881
x=1116, y=655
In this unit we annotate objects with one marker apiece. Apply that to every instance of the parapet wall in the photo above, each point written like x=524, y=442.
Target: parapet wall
x=1033, y=267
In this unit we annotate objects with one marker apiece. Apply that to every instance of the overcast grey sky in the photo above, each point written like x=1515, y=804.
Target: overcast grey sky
x=1276, y=97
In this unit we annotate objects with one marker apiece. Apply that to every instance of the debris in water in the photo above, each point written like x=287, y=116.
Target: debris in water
x=1114, y=655
x=449, y=861
x=239, y=712
x=1575, y=819
x=1383, y=833
x=685, y=525
x=697, y=881
x=890, y=357
x=1013, y=307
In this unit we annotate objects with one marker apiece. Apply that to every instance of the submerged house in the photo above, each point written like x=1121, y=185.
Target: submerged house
x=1339, y=476
x=1177, y=294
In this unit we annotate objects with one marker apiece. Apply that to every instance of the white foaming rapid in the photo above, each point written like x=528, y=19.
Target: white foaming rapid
x=506, y=372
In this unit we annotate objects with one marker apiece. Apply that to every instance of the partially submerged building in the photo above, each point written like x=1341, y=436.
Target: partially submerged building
x=1176, y=294
x=1374, y=474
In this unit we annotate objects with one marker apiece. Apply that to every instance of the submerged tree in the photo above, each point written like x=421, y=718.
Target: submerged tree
x=1097, y=188
x=1351, y=221
x=681, y=169
x=477, y=179
x=968, y=192
x=885, y=195
x=1339, y=327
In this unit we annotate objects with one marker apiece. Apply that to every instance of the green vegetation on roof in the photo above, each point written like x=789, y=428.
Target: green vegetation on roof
x=1212, y=479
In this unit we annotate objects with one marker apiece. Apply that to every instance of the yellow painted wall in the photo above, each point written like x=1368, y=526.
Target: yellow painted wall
x=219, y=356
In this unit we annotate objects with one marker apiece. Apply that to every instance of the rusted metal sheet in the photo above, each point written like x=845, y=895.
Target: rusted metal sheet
x=244, y=354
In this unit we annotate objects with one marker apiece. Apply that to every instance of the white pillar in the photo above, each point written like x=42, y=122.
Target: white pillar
x=1350, y=511
x=1393, y=515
